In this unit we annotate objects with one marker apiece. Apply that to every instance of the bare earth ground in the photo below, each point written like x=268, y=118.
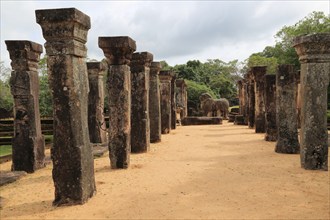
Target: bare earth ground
x=196, y=172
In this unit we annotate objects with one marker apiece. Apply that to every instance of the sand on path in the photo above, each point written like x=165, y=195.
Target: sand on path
x=196, y=172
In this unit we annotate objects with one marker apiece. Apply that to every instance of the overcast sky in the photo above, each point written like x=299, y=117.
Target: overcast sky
x=175, y=31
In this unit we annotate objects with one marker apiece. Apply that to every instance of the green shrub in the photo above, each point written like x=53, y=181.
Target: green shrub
x=194, y=90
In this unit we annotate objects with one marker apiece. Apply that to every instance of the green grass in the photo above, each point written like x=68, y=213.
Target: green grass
x=5, y=150
x=235, y=106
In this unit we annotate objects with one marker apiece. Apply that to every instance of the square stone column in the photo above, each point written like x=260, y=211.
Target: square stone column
x=240, y=96
x=251, y=93
x=96, y=122
x=28, y=144
x=140, y=124
x=286, y=113
x=165, y=78
x=314, y=55
x=173, y=101
x=270, y=107
x=65, y=31
x=259, y=89
x=181, y=97
x=118, y=51
x=154, y=103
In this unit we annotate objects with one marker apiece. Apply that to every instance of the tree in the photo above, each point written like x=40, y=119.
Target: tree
x=45, y=95
x=6, y=99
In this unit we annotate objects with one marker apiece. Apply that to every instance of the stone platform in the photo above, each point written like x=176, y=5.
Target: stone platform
x=201, y=121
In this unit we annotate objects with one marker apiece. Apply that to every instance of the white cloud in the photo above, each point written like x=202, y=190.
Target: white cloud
x=175, y=31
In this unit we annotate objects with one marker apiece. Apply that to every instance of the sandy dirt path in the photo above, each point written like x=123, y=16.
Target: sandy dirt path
x=196, y=172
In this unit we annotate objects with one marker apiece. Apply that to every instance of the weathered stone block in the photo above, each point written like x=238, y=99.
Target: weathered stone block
x=140, y=124
x=154, y=103
x=65, y=31
x=28, y=143
x=259, y=89
x=118, y=51
x=165, y=100
x=251, y=92
x=314, y=55
x=96, y=122
x=201, y=121
x=287, y=129
x=270, y=107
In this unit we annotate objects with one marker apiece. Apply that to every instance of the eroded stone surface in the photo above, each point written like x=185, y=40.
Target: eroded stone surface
x=65, y=31
x=287, y=129
x=201, y=121
x=270, y=107
x=182, y=97
x=165, y=100
x=251, y=94
x=118, y=51
x=140, y=124
x=154, y=103
x=7, y=177
x=28, y=142
x=96, y=122
x=173, y=101
x=259, y=89
x=314, y=55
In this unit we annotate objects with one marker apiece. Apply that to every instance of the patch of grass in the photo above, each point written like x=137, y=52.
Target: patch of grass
x=48, y=139
x=235, y=106
x=5, y=150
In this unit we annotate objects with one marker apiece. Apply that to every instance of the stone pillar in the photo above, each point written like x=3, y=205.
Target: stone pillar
x=270, y=107
x=140, y=124
x=287, y=130
x=251, y=113
x=298, y=98
x=28, y=144
x=259, y=89
x=181, y=97
x=173, y=101
x=240, y=96
x=246, y=101
x=65, y=31
x=314, y=55
x=118, y=51
x=96, y=122
x=154, y=103
x=165, y=100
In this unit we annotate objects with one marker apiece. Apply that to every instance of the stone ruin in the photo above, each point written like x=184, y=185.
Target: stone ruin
x=118, y=51
x=96, y=121
x=165, y=78
x=154, y=103
x=140, y=125
x=65, y=31
x=28, y=144
x=181, y=99
x=314, y=56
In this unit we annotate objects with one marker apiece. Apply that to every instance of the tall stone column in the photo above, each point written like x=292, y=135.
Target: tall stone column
x=240, y=96
x=65, y=31
x=314, y=55
x=173, y=101
x=287, y=129
x=246, y=101
x=118, y=51
x=96, y=122
x=251, y=113
x=298, y=99
x=165, y=100
x=140, y=124
x=181, y=96
x=28, y=144
x=270, y=107
x=259, y=89
x=154, y=103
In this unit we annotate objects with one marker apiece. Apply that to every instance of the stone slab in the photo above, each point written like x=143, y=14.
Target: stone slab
x=201, y=121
